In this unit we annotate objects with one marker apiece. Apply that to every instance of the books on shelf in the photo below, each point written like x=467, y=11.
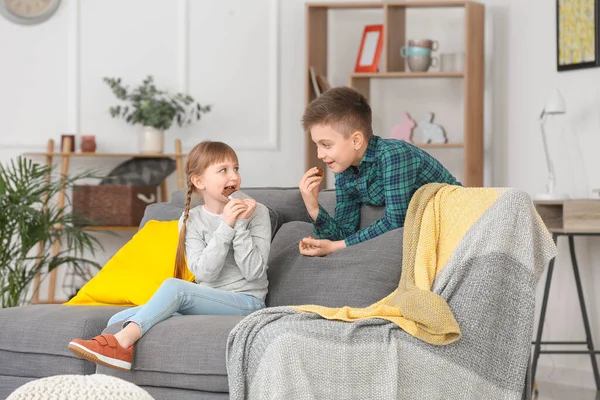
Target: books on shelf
x=320, y=84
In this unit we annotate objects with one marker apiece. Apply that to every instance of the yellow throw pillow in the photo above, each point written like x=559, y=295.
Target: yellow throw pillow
x=132, y=275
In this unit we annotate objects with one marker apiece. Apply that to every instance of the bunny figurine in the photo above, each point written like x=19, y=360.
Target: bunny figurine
x=432, y=133
x=404, y=130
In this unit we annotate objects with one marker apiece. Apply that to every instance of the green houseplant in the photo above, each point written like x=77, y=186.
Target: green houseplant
x=32, y=221
x=156, y=110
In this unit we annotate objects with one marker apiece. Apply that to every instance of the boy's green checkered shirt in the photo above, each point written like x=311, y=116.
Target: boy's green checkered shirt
x=389, y=174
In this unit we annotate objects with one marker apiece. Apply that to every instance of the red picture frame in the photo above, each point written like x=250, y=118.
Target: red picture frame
x=370, y=49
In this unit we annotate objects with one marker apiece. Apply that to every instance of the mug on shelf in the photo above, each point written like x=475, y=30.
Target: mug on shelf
x=447, y=62
x=452, y=62
x=407, y=51
x=421, y=63
x=427, y=43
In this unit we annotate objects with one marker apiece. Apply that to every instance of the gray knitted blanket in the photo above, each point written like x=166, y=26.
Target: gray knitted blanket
x=489, y=284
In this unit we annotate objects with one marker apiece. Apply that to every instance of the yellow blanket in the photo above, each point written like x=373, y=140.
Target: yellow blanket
x=438, y=217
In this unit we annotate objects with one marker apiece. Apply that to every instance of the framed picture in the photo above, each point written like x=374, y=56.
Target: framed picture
x=576, y=34
x=370, y=49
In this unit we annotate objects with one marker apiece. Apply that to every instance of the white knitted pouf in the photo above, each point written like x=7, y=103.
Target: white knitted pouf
x=80, y=387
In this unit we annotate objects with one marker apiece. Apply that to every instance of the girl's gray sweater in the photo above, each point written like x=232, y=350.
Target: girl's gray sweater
x=226, y=258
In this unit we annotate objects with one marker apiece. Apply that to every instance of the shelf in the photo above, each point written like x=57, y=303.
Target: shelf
x=397, y=17
x=346, y=6
x=123, y=155
x=438, y=145
x=37, y=301
x=111, y=228
x=428, y=4
x=65, y=160
x=373, y=5
x=396, y=75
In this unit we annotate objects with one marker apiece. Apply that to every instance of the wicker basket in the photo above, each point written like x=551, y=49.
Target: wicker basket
x=112, y=205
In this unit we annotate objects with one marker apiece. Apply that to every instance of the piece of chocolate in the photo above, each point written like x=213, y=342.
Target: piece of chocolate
x=228, y=191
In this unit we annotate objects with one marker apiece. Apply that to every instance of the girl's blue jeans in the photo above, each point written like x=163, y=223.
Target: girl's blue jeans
x=187, y=298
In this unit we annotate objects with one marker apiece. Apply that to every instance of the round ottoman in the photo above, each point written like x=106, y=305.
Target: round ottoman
x=81, y=387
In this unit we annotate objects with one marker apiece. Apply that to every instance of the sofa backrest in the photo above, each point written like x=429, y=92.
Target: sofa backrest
x=286, y=202
x=356, y=276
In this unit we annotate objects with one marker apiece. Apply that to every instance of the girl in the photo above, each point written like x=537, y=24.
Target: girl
x=226, y=243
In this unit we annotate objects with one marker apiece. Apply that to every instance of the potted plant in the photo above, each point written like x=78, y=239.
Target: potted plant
x=154, y=109
x=31, y=223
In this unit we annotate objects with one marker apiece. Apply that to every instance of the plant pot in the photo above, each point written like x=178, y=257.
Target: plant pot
x=151, y=140
x=88, y=144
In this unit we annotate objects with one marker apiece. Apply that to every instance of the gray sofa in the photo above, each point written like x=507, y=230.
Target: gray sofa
x=184, y=357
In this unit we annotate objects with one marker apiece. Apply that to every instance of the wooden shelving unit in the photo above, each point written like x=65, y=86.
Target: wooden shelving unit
x=111, y=228
x=440, y=145
x=104, y=155
x=395, y=75
x=394, y=37
x=65, y=156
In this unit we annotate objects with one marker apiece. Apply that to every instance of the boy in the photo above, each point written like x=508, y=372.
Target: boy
x=368, y=170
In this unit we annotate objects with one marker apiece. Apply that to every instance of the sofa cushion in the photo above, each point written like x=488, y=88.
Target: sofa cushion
x=161, y=212
x=181, y=352
x=357, y=276
x=368, y=214
x=35, y=338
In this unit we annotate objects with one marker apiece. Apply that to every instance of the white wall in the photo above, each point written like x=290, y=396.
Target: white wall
x=524, y=72
x=230, y=54
x=243, y=57
x=50, y=83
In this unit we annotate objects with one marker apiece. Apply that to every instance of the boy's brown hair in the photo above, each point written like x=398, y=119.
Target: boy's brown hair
x=343, y=108
x=202, y=156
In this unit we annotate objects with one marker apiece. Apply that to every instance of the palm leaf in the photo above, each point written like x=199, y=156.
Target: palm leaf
x=30, y=219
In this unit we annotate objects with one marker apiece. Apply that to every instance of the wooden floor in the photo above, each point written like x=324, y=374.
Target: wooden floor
x=553, y=391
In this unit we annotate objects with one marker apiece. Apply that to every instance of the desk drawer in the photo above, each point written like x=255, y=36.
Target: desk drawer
x=570, y=215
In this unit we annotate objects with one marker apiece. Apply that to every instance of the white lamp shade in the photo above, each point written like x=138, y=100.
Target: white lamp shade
x=555, y=104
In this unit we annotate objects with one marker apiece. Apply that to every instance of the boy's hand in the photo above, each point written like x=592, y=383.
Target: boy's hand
x=309, y=188
x=233, y=209
x=319, y=247
x=251, y=204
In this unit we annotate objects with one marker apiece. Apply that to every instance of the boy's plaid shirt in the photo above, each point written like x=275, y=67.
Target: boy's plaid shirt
x=389, y=174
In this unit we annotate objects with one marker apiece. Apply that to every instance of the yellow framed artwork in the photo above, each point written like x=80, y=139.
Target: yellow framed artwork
x=577, y=34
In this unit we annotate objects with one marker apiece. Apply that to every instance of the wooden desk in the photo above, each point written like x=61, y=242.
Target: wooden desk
x=575, y=216
x=568, y=218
